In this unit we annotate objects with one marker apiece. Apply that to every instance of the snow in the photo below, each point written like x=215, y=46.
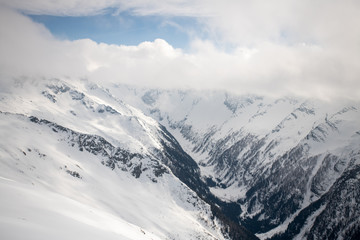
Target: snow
x=39, y=214
x=106, y=204
x=308, y=224
x=340, y=131
x=103, y=200
x=282, y=124
x=116, y=127
x=231, y=193
x=41, y=200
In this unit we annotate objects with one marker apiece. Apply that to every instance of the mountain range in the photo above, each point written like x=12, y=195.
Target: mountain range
x=124, y=162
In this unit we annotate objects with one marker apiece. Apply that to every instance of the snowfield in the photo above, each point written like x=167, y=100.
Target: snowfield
x=54, y=188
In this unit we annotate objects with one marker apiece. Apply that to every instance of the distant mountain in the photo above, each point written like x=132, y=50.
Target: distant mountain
x=289, y=166
x=76, y=161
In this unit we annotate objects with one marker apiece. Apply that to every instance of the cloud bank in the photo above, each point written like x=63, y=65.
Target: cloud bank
x=306, y=48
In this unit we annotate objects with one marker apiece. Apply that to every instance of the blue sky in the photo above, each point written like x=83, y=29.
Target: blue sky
x=121, y=29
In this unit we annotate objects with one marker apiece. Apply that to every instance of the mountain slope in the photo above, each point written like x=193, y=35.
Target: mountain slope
x=84, y=160
x=273, y=157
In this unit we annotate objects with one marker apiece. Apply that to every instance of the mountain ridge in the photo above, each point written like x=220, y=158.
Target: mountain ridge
x=300, y=150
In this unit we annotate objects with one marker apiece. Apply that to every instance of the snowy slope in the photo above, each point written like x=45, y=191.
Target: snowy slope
x=75, y=161
x=285, y=167
x=274, y=157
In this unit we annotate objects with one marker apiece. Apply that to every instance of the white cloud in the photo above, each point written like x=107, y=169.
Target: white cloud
x=29, y=48
x=308, y=48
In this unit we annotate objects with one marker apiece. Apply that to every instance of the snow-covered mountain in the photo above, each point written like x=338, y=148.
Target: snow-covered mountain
x=291, y=165
x=76, y=161
x=121, y=162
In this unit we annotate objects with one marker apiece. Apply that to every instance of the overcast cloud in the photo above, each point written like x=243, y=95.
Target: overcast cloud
x=280, y=47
